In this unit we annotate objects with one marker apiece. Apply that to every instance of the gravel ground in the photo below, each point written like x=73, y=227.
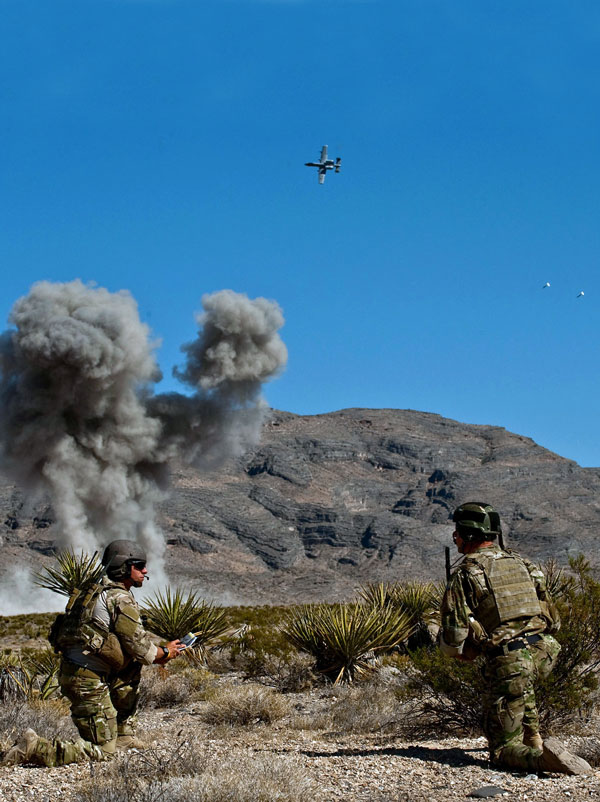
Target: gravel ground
x=357, y=767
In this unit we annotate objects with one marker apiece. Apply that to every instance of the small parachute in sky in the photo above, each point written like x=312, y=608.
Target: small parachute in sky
x=581, y=294
x=547, y=284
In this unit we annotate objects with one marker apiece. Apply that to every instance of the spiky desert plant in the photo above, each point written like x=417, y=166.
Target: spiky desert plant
x=173, y=614
x=13, y=680
x=378, y=594
x=344, y=638
x=29, y=676
x=74, y=572
x=419, y=600
x=558, y=583
x=209, y=629
x=42, y=668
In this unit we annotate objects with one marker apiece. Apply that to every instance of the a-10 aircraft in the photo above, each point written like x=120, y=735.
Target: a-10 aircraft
x=325, y=164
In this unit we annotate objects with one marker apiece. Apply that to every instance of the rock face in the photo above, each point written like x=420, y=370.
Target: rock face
x=329, y=502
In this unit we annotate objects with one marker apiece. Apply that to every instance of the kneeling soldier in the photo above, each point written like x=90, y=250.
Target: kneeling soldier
x=496, y=604
x=103, y=646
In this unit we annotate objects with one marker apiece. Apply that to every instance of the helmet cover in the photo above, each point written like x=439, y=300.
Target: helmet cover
x=476, y=520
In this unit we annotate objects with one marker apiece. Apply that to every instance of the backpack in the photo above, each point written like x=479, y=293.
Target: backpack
x=76, y=627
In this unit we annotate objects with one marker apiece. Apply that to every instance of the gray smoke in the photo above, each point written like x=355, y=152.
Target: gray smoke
x=237, y=349
x=79, y=421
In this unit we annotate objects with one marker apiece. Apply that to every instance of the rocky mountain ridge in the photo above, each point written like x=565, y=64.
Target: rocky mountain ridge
x=328, y=502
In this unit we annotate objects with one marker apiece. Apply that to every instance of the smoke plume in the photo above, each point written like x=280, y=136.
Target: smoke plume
x=79, y=420
x=237, y=349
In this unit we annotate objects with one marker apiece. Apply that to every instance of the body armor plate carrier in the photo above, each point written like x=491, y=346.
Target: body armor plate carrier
x=512, y=594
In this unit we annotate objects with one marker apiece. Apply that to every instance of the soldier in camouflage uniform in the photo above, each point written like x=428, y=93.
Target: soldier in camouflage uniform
x=101, y=664
x=496, y=604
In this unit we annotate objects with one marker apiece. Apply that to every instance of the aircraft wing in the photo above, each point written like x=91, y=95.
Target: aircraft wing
x=322, y=174
x=324, y=153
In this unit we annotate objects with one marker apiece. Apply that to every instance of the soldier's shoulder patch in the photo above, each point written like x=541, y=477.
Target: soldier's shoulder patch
x=129, y=609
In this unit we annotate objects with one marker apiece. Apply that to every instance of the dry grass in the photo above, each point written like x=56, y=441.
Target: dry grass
x=246, y=704
x=256, y=778
x=370, y=707
x=290, y=674
x=143, y=776
x=589, y=749
x=160, y=688
x=26, y=626
x=49, y=719
x=187, y=775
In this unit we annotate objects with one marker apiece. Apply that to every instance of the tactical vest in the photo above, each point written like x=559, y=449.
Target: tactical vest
x=76, y=626
x=511, y=592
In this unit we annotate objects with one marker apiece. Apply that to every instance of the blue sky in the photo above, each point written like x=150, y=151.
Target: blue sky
x=160, y=147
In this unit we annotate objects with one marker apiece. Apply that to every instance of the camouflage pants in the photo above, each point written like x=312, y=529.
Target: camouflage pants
x=509, y=706
x=101, y=708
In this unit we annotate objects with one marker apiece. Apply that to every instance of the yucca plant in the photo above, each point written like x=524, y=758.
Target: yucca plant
x=42, y=667
x=378, y=594
x=345, y=638
x=74, y=572
x=29, y=676
x=419, y=600
x=173, y=614
x=13, y=681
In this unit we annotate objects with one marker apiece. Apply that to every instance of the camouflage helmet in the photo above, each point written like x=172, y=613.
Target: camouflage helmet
x=119, y=555
x=476, y=520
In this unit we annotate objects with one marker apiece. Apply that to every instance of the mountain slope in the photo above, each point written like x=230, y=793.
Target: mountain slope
x=327, y=502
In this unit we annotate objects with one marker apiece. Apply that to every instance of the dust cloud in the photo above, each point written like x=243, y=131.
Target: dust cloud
x=80, y=423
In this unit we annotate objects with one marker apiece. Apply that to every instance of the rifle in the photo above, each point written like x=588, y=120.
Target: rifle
x=447, y=554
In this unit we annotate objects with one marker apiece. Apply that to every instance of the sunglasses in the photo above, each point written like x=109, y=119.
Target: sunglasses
x=139, y=564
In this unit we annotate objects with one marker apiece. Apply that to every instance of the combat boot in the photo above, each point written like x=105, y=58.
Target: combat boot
x=24, y=750
x=556, y=757
x=130, y=742
x=533, y=740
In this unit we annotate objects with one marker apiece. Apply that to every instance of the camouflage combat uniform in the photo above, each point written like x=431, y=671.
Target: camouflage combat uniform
x=496, y=603
x=103, y=699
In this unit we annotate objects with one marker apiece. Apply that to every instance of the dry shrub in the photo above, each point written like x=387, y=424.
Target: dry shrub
x=443, y=694
x=588, y=748
x=259, y=651
x=257, y=778
x=371, y=707
x=49, y=718
x=245, y=704
x=143, y=776
x=160, y=688
x=163, y=690
x=155, y=765
x=291, y=674
x=190, y=776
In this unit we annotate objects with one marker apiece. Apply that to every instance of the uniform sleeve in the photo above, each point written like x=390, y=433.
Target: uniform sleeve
x=128, y=627
x=549, y=609
x=455, y=617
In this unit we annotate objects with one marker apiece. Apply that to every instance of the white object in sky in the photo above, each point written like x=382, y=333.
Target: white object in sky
x=547, y=284
x=581, y=293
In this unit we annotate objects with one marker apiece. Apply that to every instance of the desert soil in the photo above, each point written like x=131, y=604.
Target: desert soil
x=378, y=768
